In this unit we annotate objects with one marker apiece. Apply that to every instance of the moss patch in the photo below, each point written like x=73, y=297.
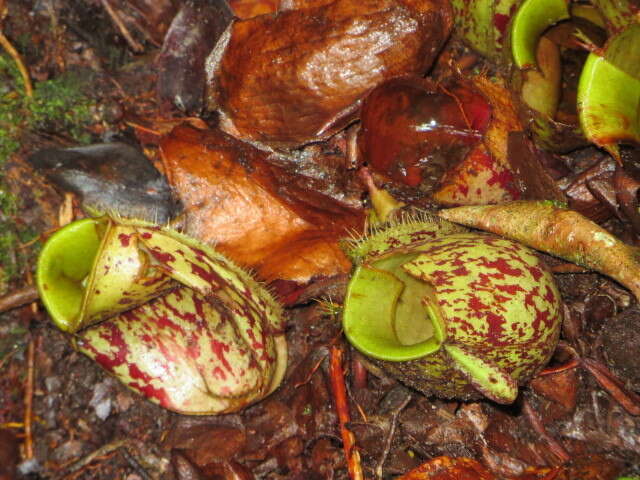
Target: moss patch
x=58, y=106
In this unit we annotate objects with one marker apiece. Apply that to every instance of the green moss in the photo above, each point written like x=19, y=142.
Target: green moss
x=58, y=106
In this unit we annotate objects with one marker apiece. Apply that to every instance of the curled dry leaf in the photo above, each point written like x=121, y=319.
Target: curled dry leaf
x=557, y=231
x=298, y=76
x=181, y=72
x=108, y=177
x=529, y=166
x=260, y=215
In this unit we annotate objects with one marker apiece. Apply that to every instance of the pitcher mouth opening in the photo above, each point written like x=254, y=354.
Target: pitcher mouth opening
x=389, y=314
x=93, y=269
x=64, y=267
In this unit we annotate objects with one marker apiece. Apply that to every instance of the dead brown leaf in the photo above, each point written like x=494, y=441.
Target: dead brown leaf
x=260, y=215
x=298, y=76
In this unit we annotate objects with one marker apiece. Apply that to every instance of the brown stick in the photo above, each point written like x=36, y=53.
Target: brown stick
x=339, y=391
x=18, y=298
x=630, y=401
x=360, y=373
x=554, y=445
x=13, y=53
x=28, y=400
x=133, y=43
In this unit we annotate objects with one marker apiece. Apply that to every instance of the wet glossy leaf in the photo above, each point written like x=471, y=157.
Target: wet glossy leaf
x=261, y=216
x=298, y=76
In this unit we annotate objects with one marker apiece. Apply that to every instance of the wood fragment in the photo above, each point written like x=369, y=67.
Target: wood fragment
x=360, y=374
x=629, y=400
x=65, y=213
x=28, y=400
x=133, y=43
x=554, y=445
x=339, y=391
x=18, y=298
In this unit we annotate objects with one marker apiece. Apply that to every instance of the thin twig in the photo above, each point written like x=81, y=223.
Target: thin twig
x=389, y=435
x=28, y=400
x=100, y=452
x=18, y=298
x=133, y=43
x=629, y=400
x=339, y=391
x=13, y=53
x=554, y=445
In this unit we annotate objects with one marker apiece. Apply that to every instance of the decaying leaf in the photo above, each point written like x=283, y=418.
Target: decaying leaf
x=191, y=36
x=413, y=130
x=531, y=176
x=253, y=8
x=260, y=215
x=448, y=468
x=297, y=76
x=109, y=177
